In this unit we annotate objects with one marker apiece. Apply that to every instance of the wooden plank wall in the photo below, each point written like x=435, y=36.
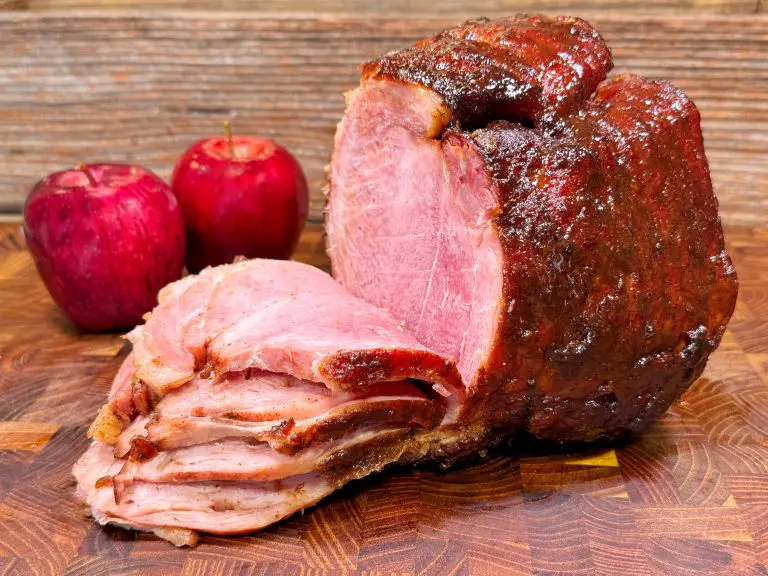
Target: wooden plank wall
x=404, y=7
x=141, y=85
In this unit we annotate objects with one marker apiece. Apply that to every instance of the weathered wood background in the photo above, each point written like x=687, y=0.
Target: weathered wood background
x=141, y=86
x=406, y=7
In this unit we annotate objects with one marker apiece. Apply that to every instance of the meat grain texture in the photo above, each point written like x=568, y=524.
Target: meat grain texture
x=519, y=244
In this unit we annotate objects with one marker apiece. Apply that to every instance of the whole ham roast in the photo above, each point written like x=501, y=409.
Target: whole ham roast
x=519, y=244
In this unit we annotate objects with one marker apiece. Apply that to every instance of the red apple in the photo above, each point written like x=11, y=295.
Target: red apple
x=105, y=238
x=240, y=196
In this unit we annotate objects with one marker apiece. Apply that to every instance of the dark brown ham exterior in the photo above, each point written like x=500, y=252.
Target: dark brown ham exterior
x=523, y=68
x=616, y=285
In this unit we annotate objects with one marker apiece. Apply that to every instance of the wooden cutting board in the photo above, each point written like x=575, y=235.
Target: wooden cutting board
x=689, y=497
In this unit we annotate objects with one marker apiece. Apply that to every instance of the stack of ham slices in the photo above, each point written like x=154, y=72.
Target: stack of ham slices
x=252, y=391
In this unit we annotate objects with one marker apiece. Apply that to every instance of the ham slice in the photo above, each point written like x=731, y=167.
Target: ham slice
x=291, y=435
x=235, y=460
x=175, y=511
x=278, y=409
x=256, y=316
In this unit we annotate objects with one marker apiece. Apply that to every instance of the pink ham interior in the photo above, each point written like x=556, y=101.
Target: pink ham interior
x=437, y=259
x=217, y=507
x=283, y=411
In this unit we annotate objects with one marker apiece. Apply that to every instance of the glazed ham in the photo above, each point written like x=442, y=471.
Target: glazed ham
x=518, y=244
x=562, y=242
x=252, y=391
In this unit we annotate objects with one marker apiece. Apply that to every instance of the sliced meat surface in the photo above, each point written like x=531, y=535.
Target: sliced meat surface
x=182, y=306
x=439, y=269
x=218, y=508
x=255, y=373
x=282, y=410
x=121, y=393
x=259, y=396
x=256, y=315
x=236, y=460
x=254, y=396
x=289, y=435
x=120, y=407
x=261, y=315
x=214, y=507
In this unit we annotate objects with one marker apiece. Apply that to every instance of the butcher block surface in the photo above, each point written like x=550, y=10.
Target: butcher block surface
x=688, y=497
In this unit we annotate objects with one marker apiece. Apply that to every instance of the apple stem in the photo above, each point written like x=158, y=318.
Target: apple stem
x=82, y=167
x=228, y=130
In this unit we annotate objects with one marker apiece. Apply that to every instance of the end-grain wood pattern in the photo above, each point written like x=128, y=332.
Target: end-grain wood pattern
x=688, y=497
x=141, y=88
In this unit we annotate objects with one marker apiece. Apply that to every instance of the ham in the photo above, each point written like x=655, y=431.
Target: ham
x=562, y=242
x=176, y=511
x=256, y=317
x=281, y=410
x=290, y=435
x=517, y=244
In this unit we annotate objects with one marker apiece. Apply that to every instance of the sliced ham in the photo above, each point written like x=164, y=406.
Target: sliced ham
x=235, y=460
x=182, y=304
x=120, y=407
x=282, y=410
x=214, y=507
x=258, y=396
x=255, y=373
x=218, y=508
x=291, y=435
x=256, y=316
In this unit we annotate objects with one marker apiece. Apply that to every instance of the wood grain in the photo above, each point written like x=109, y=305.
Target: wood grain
x=688, y=497
x=26, y=435
x=142, y=87
x=14, y=5
x=447, y=7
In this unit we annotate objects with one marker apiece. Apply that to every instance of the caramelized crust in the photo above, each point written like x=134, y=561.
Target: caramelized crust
x=354, y=368
x=522, y=68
